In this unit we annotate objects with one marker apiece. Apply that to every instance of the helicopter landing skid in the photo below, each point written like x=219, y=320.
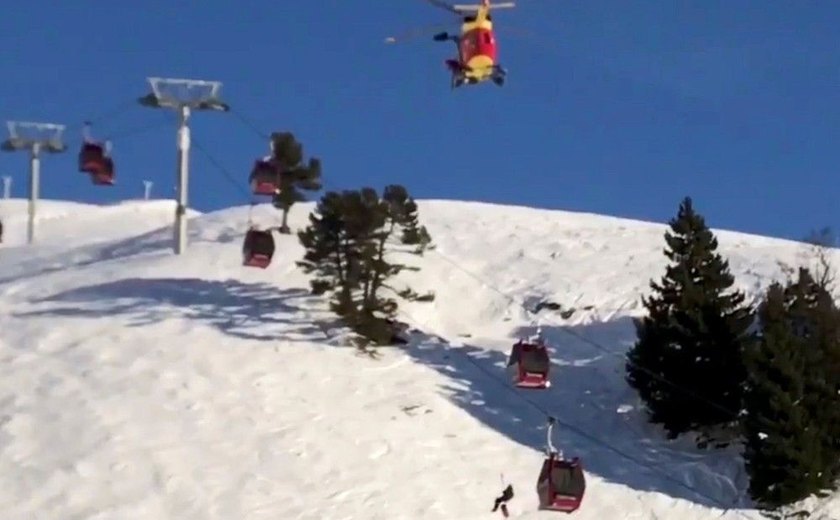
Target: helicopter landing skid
x=460, y=79
x=499, y=75
x=455, y=66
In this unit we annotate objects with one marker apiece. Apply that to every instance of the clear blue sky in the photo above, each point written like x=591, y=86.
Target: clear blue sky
x=611, y=106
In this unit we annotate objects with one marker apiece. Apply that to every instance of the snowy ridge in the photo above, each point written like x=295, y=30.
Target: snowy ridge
x=137, y=384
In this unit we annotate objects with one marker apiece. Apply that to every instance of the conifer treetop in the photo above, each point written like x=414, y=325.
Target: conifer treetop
x=296, y=175
x=286, y=150
x=692, y=247
x=686, y=229
x=686, y=362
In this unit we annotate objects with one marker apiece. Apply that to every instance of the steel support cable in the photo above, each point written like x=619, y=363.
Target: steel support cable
x=562, y=326
x=114, y=111
x=230, y=177
x=580, y=432
x=565, y=329
x=545, y=412
x=589, y=341
x=121, y=134
x=250, y=124
x=135, y=130
x=571, y=427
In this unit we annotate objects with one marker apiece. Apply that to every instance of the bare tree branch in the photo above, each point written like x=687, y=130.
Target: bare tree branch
x=822, y=242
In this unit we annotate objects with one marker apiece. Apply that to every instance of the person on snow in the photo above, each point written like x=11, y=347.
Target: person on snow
x=501, y=500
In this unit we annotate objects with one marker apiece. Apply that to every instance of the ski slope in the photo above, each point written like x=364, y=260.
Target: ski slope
x=138, y=384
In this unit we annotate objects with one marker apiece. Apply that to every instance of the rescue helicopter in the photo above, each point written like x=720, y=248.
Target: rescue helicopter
x=476, y=46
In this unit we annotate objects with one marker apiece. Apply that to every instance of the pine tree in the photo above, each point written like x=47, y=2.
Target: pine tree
x=823, y=378
x=328, y=252
x=295, y=176
x=686, y=363
x=790, y=399
x=350, y=247
x=403, y=211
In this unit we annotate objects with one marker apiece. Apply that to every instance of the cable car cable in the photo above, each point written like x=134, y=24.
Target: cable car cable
x=249, y=123
x=114, y=111
x=253, y=127
x=218, y=165
x=579, y=431
x=228, y=176
x=111, y=113
x=122, y=134
x=131, y=131
x=544, y=411
x=562, y=327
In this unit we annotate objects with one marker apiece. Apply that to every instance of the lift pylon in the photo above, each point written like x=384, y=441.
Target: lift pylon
x=35, y=138
x=184, y=96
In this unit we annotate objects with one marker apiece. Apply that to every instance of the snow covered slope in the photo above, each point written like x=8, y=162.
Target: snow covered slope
x=138, y=384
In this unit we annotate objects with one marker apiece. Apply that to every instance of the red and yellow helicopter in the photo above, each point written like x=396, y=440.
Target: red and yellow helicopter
x=476, y=43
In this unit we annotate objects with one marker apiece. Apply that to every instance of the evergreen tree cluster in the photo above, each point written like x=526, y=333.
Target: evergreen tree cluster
x=792, y=396
x=705, y=361
x=352, y=245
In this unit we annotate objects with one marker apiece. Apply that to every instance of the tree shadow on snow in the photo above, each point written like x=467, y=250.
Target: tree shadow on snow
x=588, y=392
x=246, y=311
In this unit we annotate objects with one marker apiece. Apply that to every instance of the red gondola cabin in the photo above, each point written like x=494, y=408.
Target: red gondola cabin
x=530, y=364
x=91, y=157
x=95, y=160
x=561, y=484
x=265, y=177
x=258, y=248
x=105, y=175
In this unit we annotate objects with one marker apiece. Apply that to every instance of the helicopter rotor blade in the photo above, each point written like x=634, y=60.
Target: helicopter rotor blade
x=463, y=8
x=443, y=5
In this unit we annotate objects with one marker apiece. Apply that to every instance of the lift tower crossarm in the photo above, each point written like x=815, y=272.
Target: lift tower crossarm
x=183, y=96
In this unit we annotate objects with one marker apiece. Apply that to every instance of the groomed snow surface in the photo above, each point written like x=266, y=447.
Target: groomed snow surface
x=136, y=384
